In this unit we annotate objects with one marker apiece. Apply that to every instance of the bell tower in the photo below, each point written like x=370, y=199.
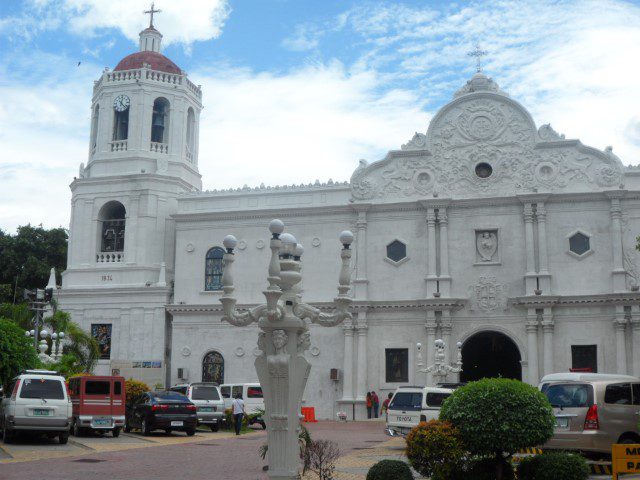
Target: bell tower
x=143, y=153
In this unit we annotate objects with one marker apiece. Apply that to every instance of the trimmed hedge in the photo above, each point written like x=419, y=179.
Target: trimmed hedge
x=553, y=465
x=434, y=448
x=390, y=470
x=478, y=469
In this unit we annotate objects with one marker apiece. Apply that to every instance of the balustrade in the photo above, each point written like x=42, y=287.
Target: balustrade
x=159, y=147
x=118, y=145
x=152, y=75
x=110, y=257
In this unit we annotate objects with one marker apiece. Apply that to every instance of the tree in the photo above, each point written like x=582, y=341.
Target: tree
x=28, y=257
x=496, y=417
x=16, y=351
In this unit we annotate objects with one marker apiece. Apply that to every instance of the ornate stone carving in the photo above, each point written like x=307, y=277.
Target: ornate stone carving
x=418, y=142
x=488, y=295
x=304, y=342
x=548, y=134
x=486, y=245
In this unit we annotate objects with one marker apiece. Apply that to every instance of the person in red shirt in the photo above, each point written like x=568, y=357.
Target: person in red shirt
x=369, y=404
x=385, y=404
x=376, y=403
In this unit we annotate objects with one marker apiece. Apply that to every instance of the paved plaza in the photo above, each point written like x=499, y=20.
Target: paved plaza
x=205, y=456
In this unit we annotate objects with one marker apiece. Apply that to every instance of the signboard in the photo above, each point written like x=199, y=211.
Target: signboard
x=625, y=459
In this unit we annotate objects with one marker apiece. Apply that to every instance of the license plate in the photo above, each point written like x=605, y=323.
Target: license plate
x=176, y=423
x=102, y=421
x=40, y=412
x=206, y=409
x=562, y=422
x=403, y=419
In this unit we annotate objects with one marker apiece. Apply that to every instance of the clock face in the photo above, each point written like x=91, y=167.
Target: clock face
x=121, y=103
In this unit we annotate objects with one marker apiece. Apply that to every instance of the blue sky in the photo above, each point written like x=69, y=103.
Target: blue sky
x=298, y=90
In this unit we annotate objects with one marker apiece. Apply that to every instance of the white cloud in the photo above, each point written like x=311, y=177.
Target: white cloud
x=305, y=37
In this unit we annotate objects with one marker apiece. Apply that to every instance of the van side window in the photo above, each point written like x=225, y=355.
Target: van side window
x=117, y=388
x=435, y=399
x=235, y=390
x=97, y=387
x=226, y=392
x=74, y=386
x=618, y=394
x=254, y=392
x=636, y=393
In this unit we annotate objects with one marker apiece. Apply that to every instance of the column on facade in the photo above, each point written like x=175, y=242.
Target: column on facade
x=445, y=329
x=361, y=372
x=443, y=221
x=530, y=276
x=532, y=346
x=131, y=230
x=543, y=261
x=620, y=324
x=431, y=251
x=635, y=339
x=431, y=328
x=547, y=336
x=361, y=281
x=90, y=233
x=347, y=382
x=619, y=275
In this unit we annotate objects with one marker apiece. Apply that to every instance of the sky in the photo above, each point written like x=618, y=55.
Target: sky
x=299, y=90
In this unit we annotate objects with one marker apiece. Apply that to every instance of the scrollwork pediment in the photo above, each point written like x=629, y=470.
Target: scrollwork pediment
x=491, y=129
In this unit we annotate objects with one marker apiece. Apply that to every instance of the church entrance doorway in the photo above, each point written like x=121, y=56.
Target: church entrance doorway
x=490, y=354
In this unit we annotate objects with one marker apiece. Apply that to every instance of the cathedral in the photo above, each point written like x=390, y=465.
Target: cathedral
x=508, y=241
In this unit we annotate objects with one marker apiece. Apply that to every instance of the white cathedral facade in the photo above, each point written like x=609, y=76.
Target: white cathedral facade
x=484, y=230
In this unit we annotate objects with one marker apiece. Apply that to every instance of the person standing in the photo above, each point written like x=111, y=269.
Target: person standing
x=369, y=404
x=238, y=412
x=385, y=405
x=376, y=403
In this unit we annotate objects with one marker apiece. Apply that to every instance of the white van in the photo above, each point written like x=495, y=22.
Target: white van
x=36, y=401
x=412, y=405
x=208, y=400
x=252, y=396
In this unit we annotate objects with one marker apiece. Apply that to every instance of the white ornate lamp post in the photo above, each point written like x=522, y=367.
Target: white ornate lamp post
x=283, y=339
x=440, y=369
x=56, y=345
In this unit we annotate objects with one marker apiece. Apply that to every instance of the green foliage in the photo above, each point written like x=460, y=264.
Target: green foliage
x=499, y=415
x=29, y=255
x=16, y=351
x=434, y=448
x=80, y=345
x=134, y=390
x=390, y=470
x=553, y=465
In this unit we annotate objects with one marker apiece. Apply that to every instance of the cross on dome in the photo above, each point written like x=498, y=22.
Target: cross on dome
x=151, y=12
x=478, y=53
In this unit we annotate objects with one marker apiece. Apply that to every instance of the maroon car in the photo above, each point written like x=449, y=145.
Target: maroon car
x=164, y=410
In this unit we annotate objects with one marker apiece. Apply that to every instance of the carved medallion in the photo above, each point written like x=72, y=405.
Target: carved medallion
x=488, y=295
x=487, y=245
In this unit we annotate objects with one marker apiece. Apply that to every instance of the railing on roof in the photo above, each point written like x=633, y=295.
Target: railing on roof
x=150, y=75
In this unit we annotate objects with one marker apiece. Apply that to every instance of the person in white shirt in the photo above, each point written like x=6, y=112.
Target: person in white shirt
x=238, y=412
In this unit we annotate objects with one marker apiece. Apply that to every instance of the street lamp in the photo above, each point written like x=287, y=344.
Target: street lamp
x=440, y=369
x=42, y=346
x=284, y=337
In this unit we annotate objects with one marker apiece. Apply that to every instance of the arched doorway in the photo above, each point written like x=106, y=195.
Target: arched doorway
x=490, y=354
x=213, y=368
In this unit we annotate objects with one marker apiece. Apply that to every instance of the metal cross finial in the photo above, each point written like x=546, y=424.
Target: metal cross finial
x=151, y=12
x=478, y=53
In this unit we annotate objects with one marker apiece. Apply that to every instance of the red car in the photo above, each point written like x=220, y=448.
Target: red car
x=98, y=404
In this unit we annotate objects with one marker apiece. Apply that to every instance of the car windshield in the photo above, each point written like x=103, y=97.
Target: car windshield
x=435, y=399
x=205, y=392
x=170, y=397
x=42, y=388
x=567, y=395
x=406, y=401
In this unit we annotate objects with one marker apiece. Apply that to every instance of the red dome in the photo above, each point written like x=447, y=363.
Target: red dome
x=157, y=61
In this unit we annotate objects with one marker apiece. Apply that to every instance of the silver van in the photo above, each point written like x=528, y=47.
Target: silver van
x=412, y=405
x=593, y=410
x=208, y=401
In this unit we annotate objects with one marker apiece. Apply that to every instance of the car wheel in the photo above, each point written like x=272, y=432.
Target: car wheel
x=264, y=425
x=191, y=432
x=127, y=428
x=146, y=428
x=7, y=435
x=167, y=431
x=116, y=432
x=78, y=431
x=63, y=438
x=215, y=427
x=628, y=439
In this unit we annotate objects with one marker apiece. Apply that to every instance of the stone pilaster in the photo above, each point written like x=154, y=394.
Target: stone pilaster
x=347, y=382
x=361, y=282
x=532, y=346
x=544, y=277
x=431, y=328
x=547, y=338
x=431, y=253
x=620, y=326
x=361, y=372
x=530, y=275
x=635, y=339
x=444, y=278
x=618, y=272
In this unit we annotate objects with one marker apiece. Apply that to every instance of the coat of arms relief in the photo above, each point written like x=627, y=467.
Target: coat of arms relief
x=490, y=130
x=487, y=295
x=486, y=246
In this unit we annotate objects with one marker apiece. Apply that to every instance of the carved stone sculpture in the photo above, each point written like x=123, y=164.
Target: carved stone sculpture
x=487, y=245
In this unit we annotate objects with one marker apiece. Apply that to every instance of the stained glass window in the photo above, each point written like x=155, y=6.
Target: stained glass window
x=213, y=368
x=102, y=333
x=397, y=365
x=213, y=269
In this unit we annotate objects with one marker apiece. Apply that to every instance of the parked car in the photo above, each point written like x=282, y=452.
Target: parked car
x=252, y=396
x=98, y=404
x=208, y=400
x=36, y=401
x=164, y=410
x=593, y=410
x=412, y=405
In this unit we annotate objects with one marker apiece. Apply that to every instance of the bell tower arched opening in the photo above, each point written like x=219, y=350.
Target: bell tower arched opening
x=490, y=354
x=112, y=227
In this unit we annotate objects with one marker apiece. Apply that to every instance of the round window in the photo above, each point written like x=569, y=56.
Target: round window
x=484, y=170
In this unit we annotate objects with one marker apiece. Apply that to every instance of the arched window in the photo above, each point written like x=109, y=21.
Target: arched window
x=213, y=269
x=191, y=135
x=160, y=121
x=121, y=124
x=213, y=368
x=94, y=128
x=112, y=219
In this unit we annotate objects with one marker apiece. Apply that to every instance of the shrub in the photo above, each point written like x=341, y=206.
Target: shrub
x=322, y=455
x=16, y=351
x=553, y=465
x=135, y=389
x=390, y=470
x=478, y=469
x=434, y=448
x=497, y=417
